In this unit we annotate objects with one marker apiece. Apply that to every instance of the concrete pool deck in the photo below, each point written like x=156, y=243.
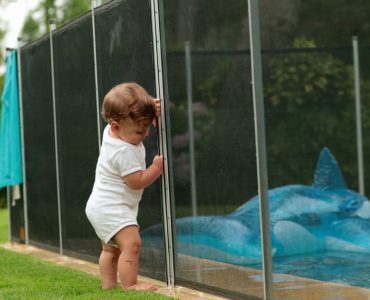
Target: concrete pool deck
x=239, y=279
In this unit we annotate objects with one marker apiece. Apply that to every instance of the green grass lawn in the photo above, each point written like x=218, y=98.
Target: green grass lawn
x=24, y=277
x=4, y=220
x=29, y=278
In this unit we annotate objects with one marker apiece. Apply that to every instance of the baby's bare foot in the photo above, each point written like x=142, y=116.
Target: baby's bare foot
x=143, y=287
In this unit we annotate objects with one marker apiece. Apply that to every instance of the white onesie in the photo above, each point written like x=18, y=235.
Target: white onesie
x=112, y=204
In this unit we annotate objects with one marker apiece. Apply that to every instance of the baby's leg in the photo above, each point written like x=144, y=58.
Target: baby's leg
x=108, y=266
x=129, y=242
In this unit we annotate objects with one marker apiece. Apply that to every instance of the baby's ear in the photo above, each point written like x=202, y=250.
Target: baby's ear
x=114, y=126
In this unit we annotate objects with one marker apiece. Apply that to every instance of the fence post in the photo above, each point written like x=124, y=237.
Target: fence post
x=93, y=5
x=166, y=199
x=189, y=93
x=52, y=28
x=20, y=93
x=360, y=159
x=257, y=87
x=8, y=203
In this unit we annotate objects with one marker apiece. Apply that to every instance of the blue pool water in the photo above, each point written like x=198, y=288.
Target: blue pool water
x=319, y=231
x=350, y=268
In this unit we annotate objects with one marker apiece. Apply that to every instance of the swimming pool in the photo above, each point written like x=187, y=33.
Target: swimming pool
x=319, y=231
x=348, y=268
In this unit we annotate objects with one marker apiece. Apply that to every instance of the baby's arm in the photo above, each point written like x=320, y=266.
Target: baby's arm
x=142, y=179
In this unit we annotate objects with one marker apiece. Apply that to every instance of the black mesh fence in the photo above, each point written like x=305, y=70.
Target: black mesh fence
x=224, y=166
x=39, y=144
x=124, y=45
x=124, y=53
x=309, y=105
x=364, y=62
x=78, y=145
x=212, y=143
x=222, y=111
x=309, y=97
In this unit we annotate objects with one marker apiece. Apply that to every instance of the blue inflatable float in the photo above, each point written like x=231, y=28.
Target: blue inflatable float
x=326, y=216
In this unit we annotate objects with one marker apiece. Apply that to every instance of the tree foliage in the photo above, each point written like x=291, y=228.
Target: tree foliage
x=309, y=105
x=333, y=22
x=37, y=21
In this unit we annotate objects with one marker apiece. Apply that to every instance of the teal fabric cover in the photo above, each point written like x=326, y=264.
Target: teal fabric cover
x=10, y=141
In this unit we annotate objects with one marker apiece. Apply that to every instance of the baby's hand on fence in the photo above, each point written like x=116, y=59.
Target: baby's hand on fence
x=157, y=105
x=158, y=162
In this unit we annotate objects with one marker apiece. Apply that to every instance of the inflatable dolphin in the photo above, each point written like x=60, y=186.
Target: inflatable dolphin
x=303, y=219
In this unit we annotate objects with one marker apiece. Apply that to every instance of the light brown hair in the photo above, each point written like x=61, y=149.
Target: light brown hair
x=128, y=100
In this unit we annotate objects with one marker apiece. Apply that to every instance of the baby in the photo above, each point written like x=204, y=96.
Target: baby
x=120, y=178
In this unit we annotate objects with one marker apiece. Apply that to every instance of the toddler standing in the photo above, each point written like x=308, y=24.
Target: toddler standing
x=120, y=178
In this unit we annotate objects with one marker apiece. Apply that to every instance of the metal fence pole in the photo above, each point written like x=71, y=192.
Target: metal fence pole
x=8, y=203
x=257, y=86
x=166, y=202
x=52, y=28
x=189, y=93
x=193, y=181
x=20, y=96
x=93, y=5
x=360, y=158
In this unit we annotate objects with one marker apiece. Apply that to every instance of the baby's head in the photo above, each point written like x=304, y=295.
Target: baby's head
x=128, y=100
